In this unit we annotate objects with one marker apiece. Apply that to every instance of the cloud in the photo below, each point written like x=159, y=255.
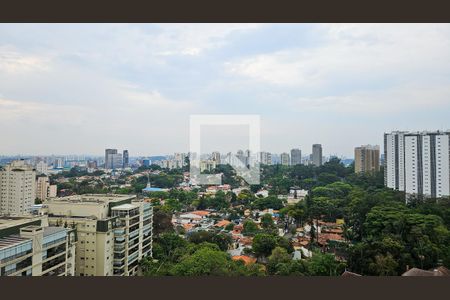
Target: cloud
x=353, y=53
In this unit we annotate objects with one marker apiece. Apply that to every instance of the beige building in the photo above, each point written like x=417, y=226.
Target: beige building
x=29, y=247
x=17, y=188
x=367, y=159
x=43, y=188
x=113, y=231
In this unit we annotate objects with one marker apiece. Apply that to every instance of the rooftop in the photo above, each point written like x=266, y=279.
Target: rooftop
x=11, y=241
x=91, y=198
x=124, y=207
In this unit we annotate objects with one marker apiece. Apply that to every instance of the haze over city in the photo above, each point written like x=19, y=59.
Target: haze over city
x=81, y=88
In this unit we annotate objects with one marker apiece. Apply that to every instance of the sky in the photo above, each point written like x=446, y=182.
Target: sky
x=81, y=88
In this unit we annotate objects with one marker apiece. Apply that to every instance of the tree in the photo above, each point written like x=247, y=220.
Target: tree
x=223, y=241
x=250, y=228
x=324, y=264
x=162, y=221
x=263, y=244
x=279, y=256
x=267, y=221
x=205, y=261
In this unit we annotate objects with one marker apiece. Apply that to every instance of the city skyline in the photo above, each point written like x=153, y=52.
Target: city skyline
x=339, y=85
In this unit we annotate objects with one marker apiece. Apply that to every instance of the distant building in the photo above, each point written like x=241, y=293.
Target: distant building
x=42, y=168
x=285, y=160
x=367, y=159
x=215, y=156
x=126, y=159
x=43, y=188
x=17, y=188
x=113, y=160
x=146, y=162
x=296, y=157
x=418, y=163
x=265, y=158
x=317, y=155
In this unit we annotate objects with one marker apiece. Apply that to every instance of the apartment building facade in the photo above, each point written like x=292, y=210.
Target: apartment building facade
x=316, y=155
x=104, y=229
x=29, y=247
x=17, y=188
x=296, y=157
x=418, y=163
x=367, y=159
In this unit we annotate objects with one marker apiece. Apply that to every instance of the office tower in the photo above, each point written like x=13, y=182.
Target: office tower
x=114, y=232
x=58, y=163
x=29, y=247
x=296, y=157
x=44, y=189
x=265, y=158
x=317, y=155
x=367, y=159
x=285, y=160
x=215, y=156
x=418, y=162
x=113, y=160
x=146, y=162
x=126, y=159
x=17, y=188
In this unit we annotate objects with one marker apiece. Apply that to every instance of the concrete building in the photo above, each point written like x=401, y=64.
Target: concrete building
x=113, y=160
x=317, y=155
x=296, y=157
x=42, y=168
x=418, y=163
x=126, y=159
x=114, y=232
x=215, y=156
x=44, y=189
x=367, y=159
x=265, y=158
x=285, y=159
x=29, y=247
x=17, y=188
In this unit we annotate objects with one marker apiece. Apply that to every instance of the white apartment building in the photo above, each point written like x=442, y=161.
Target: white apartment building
x=17, y=188
x=42, y=168
x=265, y=158
x=418, y=163
x=29, y=247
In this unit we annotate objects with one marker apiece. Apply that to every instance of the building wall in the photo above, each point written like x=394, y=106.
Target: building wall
x=17, y=189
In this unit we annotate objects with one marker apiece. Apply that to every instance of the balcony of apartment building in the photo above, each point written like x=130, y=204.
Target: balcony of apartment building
x=54, y=267
x=14, y=249
x=22, y=268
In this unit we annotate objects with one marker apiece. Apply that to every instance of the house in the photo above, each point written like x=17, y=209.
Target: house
x=246, y=259
x=439, y=271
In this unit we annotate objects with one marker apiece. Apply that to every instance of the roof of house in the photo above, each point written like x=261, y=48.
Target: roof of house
x=201, y=213
x=440, y=271
x=350, y=274
x=222, y=223
x=247, y=259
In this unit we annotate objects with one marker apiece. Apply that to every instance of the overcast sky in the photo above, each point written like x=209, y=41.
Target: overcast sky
x=81, y=88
